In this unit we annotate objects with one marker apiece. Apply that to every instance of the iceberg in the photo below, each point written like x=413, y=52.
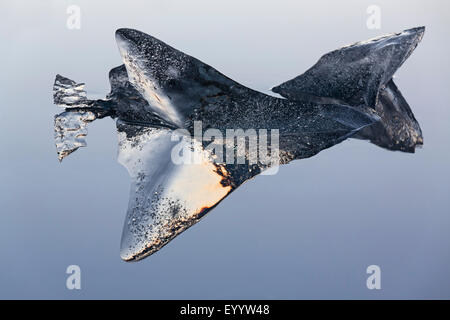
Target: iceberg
x=161, y=98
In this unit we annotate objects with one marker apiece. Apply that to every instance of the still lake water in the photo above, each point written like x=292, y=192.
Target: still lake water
x=309, y=231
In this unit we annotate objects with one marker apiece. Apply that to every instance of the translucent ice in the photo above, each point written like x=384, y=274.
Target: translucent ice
x=160, y=95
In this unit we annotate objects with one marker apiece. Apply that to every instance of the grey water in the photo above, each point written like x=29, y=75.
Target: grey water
x=310, y=231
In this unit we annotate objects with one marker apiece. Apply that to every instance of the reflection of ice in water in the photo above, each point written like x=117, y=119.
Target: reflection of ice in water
x=71, y=130
x=348, y=93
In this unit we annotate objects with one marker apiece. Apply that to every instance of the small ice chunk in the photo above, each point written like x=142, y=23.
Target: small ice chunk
x=70, y=131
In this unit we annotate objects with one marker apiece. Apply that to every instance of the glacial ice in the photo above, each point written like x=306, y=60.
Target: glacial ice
x=159, y=94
